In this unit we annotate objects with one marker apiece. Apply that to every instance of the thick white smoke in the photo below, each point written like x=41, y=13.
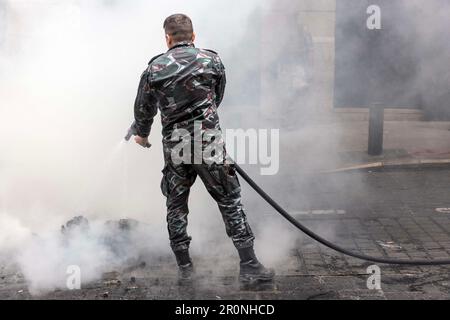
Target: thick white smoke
x=69, y=71
x=68, y=77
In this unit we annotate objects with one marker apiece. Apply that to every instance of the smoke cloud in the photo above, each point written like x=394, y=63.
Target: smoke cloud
x=69, y=72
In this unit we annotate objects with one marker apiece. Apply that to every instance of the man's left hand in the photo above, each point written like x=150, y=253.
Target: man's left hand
x=143, y=142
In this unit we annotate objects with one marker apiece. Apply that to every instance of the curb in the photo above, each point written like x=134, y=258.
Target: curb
x=394, y=164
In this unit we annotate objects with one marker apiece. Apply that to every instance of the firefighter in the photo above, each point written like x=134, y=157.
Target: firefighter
x=187, y=85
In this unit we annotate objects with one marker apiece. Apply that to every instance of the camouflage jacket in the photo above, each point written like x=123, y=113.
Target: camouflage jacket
x=186, y=84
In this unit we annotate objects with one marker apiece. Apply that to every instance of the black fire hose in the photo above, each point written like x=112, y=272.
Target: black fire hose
x=325, y=242
x=301, y=227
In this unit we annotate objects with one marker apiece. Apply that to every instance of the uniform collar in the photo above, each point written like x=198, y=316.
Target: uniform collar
x=183, y=44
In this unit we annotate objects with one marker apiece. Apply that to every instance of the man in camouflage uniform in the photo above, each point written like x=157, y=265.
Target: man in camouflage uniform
x=187, y=85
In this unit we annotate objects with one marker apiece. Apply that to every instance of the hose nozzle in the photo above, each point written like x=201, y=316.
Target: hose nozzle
x=131, y=132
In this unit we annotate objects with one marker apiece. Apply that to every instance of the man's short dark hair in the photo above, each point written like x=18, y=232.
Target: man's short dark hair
x=179, y=26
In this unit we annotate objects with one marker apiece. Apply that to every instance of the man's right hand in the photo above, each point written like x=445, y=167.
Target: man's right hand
x=143, y=142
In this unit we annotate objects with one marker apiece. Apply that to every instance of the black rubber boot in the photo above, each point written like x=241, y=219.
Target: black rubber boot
x=251, y=270
x=185, y=266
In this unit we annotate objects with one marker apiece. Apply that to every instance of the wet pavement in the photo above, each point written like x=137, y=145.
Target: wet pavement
x=397, y=213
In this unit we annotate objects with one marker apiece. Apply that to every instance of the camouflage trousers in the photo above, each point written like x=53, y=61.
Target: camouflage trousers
x=222, y=184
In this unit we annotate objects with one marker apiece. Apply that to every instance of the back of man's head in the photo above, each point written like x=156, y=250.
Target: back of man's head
x=179, y=27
